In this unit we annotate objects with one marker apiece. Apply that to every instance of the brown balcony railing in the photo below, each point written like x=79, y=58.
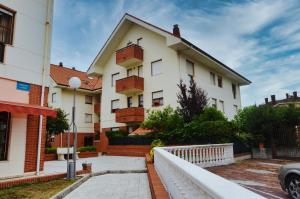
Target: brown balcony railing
x=129, y=55
x=129, y=85
x=97, y=126
x=130, y=115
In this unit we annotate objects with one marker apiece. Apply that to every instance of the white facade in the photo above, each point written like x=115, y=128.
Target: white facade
x=173, y=53
x=24, y=60
x=64, y=100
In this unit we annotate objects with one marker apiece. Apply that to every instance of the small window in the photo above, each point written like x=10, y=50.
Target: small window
x=156, y=67
x=212, y=78
x=141, y=100
x=222, y=106
x=234, y=91
x=236, y=109
x=190, y=68
x=5, y=119
x=114, y=78
x=88, y=118
x=140, y=71
x=129, y=72
x=220, y=81
x=53, y=98
x=114, y=105
x=129, y=102
x=139, y=41
x=214, y=103
x=115, y=129
x=157, y=98
x=88, y=99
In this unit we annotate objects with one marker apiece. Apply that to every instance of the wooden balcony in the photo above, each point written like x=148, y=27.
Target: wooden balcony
x=97, y=108
x=129, y=56
x=97, y=126
x=130, y=85
x=130, y=115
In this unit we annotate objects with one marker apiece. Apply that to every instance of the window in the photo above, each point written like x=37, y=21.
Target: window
x=6, y=29
x=130, y=129
x=212, y=78
x=4, y=133
x=141, y=100
x=220, y=81
x=222, y=106
x=115, y=129
x=129, y=72
x=88, y=118
x=129, y=102
x=190, y=68
x=114, y=78
x=140, y=71
x=53, y=99
x=234, y=91
x=88, y=99
x=114, y=105
x=214, y=103
x=139, y=41
x=157, y=98
x=156, y=67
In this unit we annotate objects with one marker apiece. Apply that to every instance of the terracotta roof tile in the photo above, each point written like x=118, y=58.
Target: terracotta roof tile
x=61, y=76
x=141, y=131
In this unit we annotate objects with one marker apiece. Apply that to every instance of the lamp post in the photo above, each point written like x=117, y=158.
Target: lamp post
x=74, y=84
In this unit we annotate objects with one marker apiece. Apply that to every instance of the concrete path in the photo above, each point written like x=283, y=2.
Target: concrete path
x=114, y=186
x=100, y=163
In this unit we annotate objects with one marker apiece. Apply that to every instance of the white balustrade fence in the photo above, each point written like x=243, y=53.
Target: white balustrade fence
x=204, y=155
x=184, y=180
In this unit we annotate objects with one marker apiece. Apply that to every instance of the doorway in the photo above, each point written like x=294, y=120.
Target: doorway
x=5, y=118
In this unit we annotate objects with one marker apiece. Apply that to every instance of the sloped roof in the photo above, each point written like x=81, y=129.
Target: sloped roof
x=174, y=39
x=61, y=76
x=141, y=131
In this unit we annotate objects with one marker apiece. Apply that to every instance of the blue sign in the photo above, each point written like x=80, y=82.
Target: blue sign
x=23, y=86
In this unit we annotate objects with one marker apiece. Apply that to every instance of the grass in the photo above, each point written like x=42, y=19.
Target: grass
x=35, y=191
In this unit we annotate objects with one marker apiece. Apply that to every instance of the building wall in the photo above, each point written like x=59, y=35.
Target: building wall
x=173, y=69
x=64, y=100
x=23, y=60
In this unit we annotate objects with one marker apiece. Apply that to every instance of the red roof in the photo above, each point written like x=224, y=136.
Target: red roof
x=141, y=131
x=61, y=76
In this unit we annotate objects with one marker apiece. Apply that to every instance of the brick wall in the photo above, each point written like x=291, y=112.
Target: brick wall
x=61, y=140
x=32, y=131
x=104, y=140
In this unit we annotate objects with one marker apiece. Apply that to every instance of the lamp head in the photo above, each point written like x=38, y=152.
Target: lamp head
x=74, y=82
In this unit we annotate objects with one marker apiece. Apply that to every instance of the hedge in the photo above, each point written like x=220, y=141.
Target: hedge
x=87, y=148
x=51, y=150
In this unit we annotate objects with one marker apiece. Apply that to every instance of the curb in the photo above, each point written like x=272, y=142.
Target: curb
x=76, y=184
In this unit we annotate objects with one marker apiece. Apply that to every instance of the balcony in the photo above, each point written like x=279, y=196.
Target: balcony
x=97, y=108
x=129, y=55
x=97, y=126
x=130, y=85
x=130, y=115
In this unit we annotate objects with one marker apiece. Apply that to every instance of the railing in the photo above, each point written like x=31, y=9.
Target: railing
x=204, y=155
x=183, y=179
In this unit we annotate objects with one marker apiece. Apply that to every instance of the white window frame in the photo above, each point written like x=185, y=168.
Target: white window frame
x=214, y=103
x=114, y=78
x=90, y=120
x=115, y=107
x=158, y=100
x=220, y=77
x=54, y=97
x=222, y=106
x=159, y=69
x=212, y=78
x=86, y=99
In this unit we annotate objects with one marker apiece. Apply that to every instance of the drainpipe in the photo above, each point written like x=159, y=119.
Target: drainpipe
x=45, y=65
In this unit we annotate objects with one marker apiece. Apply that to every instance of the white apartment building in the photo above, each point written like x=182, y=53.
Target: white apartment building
x=25, y=38
x=87, y=114
x=141, y=65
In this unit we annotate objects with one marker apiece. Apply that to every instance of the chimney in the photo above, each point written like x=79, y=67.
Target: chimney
x=295, y=94
x=266, y=100
x=61, y=64
x=73, y=68
x=273, y=98
x=176, y=31
x=287, y=96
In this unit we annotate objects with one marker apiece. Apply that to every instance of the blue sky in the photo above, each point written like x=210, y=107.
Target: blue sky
x=259, y=39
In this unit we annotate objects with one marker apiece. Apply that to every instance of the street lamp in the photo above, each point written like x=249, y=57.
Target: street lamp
x=74, y=84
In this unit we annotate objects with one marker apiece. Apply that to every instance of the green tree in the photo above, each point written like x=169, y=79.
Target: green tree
x=56, y=125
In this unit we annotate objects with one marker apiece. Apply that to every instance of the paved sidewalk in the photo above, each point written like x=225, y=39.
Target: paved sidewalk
x=100, y=163
x=114, y=186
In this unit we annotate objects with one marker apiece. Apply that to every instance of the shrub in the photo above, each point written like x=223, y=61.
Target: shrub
x=51, y=150
x=211, y=114
x=116, y=134
x=155, y=143
x=87, y=149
